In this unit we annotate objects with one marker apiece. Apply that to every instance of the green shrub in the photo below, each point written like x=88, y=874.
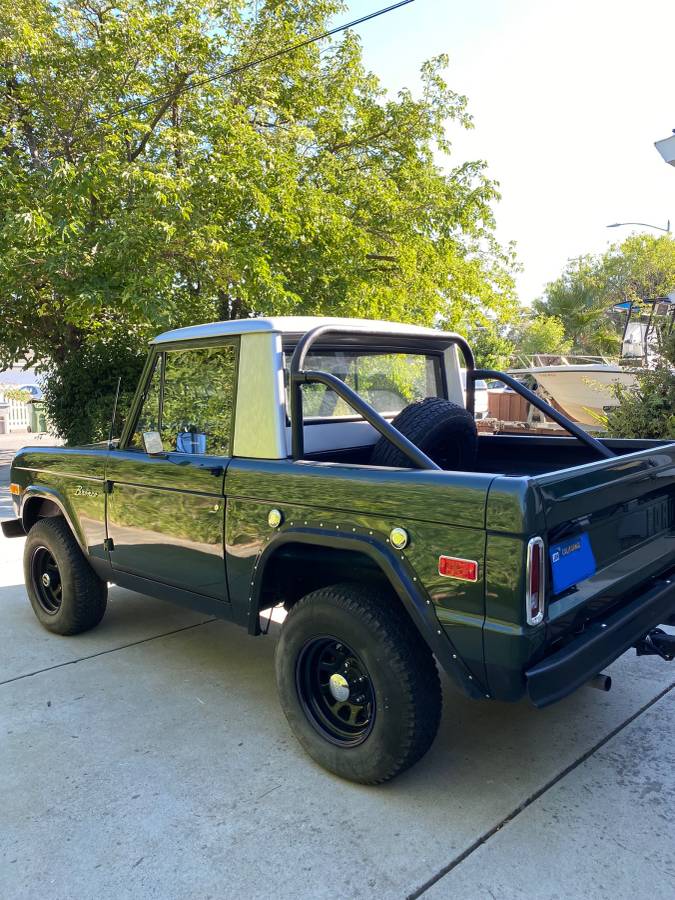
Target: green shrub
x=80, y=391
x=648, y=409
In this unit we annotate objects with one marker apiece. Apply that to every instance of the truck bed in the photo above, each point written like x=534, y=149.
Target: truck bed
x=515, y=455
x=510, y=454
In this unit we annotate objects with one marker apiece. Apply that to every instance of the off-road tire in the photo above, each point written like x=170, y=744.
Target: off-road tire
x=443, y=430
x=83, y=595
x=400, y=668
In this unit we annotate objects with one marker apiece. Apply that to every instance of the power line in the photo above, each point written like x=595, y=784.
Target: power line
x=243, y=67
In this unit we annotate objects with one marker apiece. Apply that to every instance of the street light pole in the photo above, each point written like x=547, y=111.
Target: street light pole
x=643, y=224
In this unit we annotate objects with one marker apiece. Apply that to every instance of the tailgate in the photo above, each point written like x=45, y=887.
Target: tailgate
x=610, y=527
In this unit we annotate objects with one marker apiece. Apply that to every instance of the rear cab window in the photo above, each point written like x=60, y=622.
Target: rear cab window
x=388, y=381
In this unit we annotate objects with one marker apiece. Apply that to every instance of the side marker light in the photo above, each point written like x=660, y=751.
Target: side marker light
x=455, y=567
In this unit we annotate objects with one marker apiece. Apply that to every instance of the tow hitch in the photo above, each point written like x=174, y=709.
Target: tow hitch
x=657, y=643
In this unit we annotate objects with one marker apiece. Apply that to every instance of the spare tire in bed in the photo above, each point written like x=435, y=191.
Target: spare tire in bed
x=445, y=431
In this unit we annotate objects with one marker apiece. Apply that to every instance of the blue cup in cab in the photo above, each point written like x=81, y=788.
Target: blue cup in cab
x=189, y=442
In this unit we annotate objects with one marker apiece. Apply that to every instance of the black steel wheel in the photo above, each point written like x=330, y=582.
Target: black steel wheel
x=336, y=691
x=66, y=594
x=357, y=683
x=46, y=580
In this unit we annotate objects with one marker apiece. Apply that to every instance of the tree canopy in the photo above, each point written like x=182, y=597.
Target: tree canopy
x=504, y=344
x=295, y=186
x=641, y=267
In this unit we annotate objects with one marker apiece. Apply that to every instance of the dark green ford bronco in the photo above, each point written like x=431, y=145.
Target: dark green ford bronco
x=332, y=468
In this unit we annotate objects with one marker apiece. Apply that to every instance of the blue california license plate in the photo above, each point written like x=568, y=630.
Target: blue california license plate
x=572, y=560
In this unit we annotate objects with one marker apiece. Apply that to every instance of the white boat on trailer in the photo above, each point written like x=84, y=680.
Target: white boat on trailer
x=583, y=389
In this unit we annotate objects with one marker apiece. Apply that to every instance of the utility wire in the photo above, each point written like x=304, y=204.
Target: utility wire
x=243, y=67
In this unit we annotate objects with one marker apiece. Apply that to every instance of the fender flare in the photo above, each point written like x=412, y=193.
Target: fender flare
x=46, y=493
x=400, y=576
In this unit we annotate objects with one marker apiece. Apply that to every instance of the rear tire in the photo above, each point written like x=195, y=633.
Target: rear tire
x=357, y=683
x=66, y=594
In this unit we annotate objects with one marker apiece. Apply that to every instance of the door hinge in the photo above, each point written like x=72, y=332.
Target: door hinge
x=108, y=544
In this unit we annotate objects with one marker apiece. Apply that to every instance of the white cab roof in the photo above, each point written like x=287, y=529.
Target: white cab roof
x=295, y=325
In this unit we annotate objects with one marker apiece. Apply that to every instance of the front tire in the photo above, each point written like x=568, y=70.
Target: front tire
x=66, y=594
x=357, y=683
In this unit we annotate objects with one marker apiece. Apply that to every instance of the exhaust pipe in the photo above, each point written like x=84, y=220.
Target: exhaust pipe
x=600, y=682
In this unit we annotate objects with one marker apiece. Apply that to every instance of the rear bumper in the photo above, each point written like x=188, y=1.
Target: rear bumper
x=601, y=643
x=12, y=528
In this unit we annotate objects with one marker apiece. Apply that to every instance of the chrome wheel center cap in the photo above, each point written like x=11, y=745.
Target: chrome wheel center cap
x=46, y=580
x=339, y=686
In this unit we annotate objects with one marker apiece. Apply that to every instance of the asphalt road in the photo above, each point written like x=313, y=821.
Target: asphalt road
x=149, y=759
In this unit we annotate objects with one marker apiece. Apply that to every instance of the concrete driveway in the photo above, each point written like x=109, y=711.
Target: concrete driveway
x=149, y=758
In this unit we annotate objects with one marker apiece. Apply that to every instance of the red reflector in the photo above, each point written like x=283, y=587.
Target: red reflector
x=454, y=567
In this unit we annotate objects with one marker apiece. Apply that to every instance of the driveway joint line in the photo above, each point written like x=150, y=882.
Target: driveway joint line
x=535, y=796
x=72, y=662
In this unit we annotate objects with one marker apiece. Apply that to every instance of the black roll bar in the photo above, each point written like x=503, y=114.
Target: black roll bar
x=544, y=407
x=298, y=377
x=400, y=441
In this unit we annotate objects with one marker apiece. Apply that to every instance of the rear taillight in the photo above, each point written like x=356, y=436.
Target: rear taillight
x=535, y=575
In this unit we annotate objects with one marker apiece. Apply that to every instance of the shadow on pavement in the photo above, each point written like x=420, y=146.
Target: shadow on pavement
x=505, y=740
x=130, y=619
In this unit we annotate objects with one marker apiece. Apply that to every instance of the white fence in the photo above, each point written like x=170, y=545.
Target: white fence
x=14, y=415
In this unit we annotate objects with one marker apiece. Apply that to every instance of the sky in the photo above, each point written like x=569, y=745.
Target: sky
x=567, y=100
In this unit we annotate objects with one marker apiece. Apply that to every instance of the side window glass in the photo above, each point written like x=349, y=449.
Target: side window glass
x=148, y=419
x=198, y=400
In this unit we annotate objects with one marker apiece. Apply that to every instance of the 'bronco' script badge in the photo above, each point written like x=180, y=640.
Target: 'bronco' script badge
x=84, y=492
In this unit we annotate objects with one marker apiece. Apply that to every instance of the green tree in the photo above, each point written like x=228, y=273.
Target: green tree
x=641, y=267
x=295, y=186
x=541, y=334
x=492, y=347
x=578, y=299
x=498, y=345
